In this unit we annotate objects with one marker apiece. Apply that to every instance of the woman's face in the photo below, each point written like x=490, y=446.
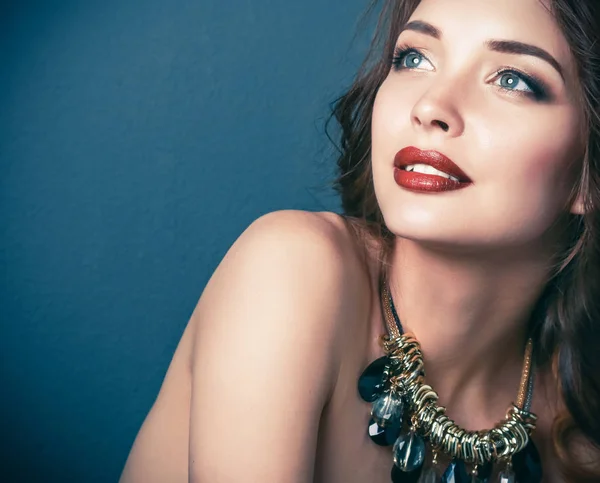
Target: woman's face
x=505, y=113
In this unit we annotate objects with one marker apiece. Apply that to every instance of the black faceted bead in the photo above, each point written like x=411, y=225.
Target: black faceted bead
x=371, y=382
x=456, y=473
x=527, y=464
x=399, y=476
x=483, y=473
x=384, y=436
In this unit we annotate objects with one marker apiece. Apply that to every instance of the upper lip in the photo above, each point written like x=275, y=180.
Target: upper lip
x=412, y=155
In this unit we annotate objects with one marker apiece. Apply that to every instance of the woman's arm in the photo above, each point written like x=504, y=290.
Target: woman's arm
x=265, y=358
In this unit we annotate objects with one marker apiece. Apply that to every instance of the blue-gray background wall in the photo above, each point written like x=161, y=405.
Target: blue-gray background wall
x=138, y=139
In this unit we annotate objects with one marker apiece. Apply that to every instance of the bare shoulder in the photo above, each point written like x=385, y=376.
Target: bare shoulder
x=322, y=229
x=259, y=358
x=315, y=247
x=296, y=259
x=266, y=347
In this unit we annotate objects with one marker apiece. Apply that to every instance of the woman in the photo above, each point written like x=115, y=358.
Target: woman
x=469, y=175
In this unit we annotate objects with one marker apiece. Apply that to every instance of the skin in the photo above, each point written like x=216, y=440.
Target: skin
x=469, y=264
x=262, y=386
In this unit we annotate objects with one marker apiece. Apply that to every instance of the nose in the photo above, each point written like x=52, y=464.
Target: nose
x=437, y=111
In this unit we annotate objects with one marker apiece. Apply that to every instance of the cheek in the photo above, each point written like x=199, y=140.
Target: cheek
x=526, y=176
x=534, y=153
x=381, y=123
x=519, y=156
x=391, y=113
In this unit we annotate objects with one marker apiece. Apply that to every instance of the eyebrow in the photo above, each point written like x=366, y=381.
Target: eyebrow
x=504, y=46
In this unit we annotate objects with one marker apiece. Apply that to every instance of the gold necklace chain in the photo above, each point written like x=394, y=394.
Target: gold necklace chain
x=406, y=376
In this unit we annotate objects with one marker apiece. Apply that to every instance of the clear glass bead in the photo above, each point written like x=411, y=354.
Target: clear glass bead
x=506, y=476
x=409, y=452
x=387, y=409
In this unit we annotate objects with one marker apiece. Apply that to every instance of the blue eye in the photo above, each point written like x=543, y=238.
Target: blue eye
x=412, y=59
x=409, y=58
x=510, y=80
x=518, y=82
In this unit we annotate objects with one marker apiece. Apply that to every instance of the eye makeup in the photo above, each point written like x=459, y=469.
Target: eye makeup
x=400, y=53
x=537, y=89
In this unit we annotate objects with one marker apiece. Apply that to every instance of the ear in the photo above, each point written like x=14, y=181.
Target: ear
x=578, y=206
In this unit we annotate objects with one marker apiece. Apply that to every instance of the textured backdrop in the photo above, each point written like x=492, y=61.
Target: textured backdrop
x=138, y=139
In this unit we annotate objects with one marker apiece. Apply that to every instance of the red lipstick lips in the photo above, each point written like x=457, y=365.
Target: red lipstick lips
x=416, y=181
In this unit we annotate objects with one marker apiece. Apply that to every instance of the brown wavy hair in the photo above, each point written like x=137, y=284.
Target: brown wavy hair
x=566, y=320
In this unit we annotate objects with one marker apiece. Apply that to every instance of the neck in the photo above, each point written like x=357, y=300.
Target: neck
x=470, y=315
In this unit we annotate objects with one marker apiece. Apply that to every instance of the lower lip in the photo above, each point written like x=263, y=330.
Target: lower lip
x=425, y=182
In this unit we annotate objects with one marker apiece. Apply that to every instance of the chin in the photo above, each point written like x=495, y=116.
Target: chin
x=421, y=226
x=443, y=235
x=438, y=231
x=432, y=218
x=416, y=218
x=455, y=225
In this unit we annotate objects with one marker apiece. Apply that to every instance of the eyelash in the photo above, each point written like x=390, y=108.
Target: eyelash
x=538, y=91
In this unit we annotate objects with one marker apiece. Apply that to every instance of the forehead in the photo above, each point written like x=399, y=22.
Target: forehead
x=469, y=22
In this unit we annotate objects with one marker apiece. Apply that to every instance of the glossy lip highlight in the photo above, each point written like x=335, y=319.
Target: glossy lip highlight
x=427, y=182
x=412, y=155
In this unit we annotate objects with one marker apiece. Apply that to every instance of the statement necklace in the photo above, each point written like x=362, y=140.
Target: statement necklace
x=406, y=415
